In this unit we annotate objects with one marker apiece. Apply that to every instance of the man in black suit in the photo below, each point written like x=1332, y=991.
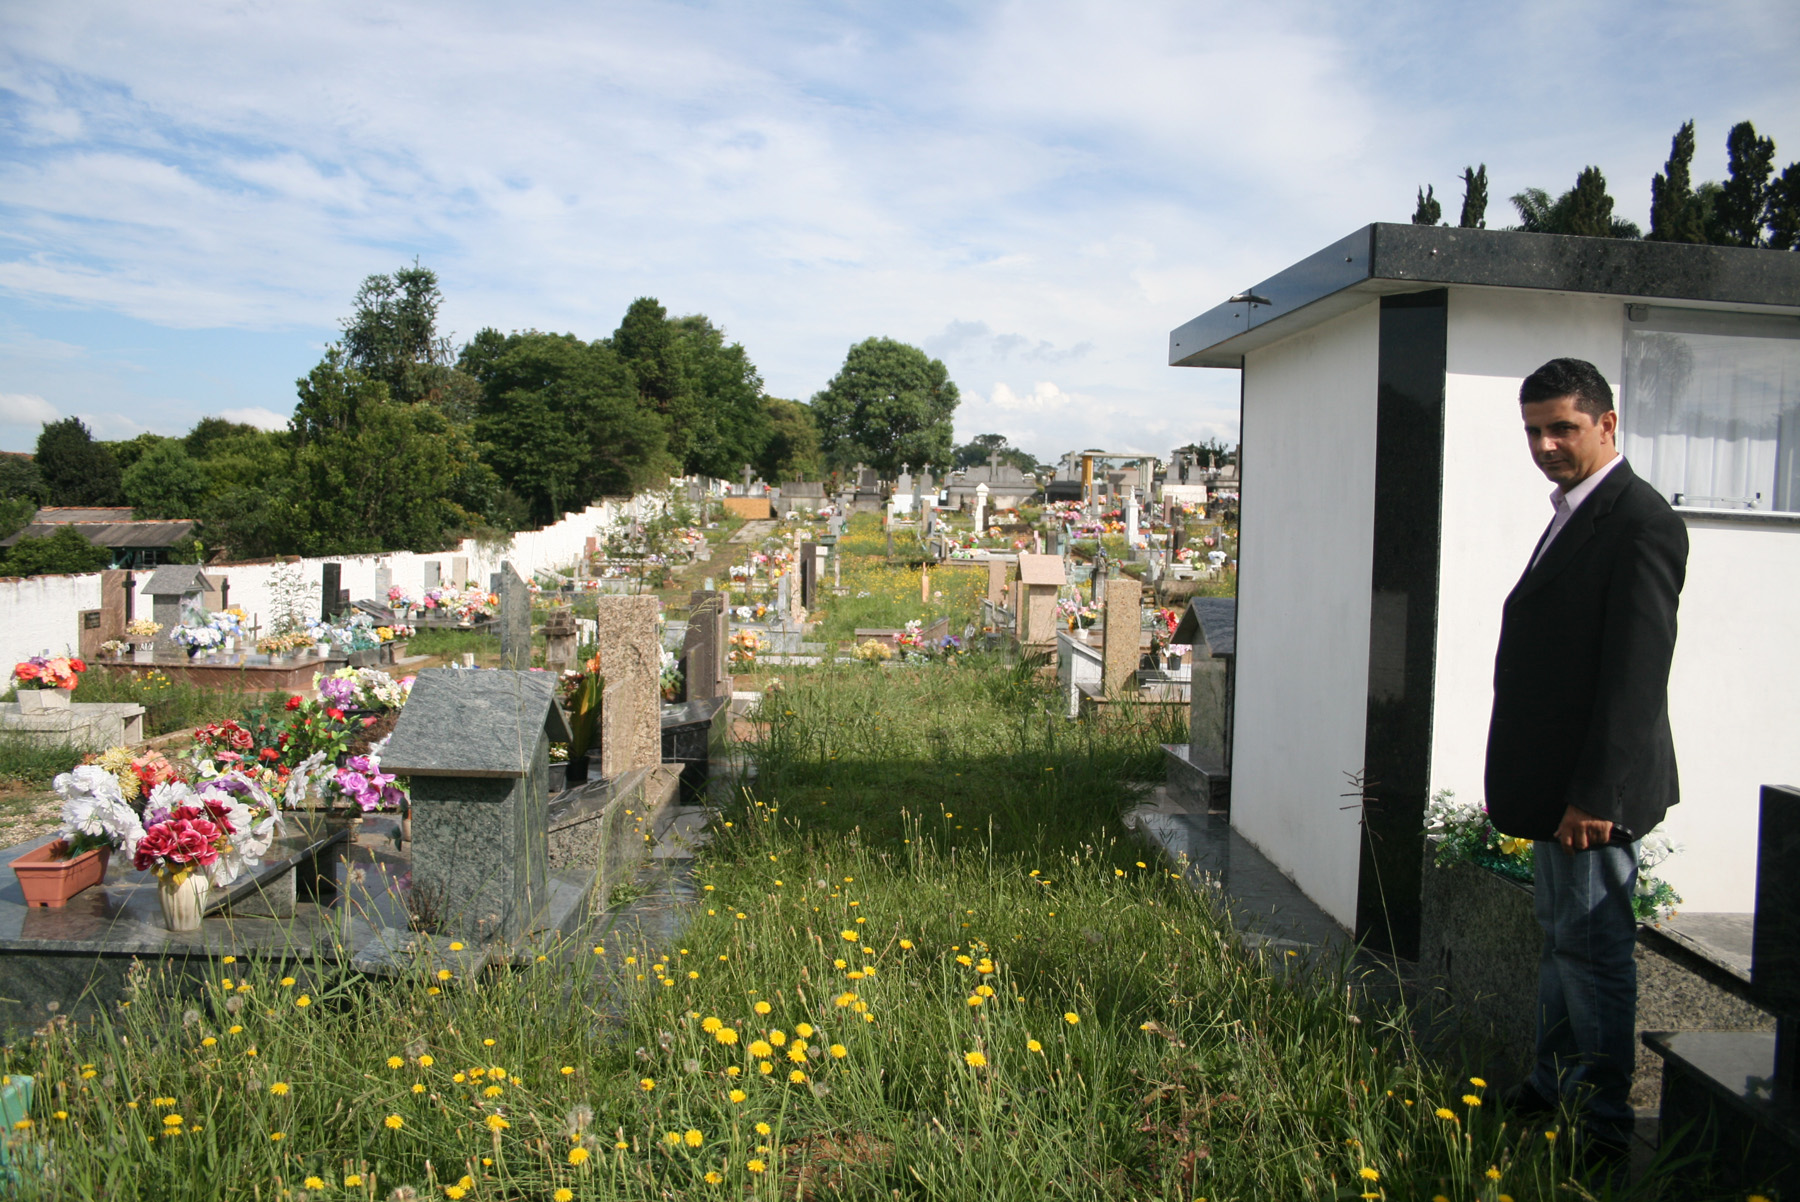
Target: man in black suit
x=1580, y=757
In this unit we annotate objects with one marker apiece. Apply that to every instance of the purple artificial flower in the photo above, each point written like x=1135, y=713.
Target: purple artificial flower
x=337, y=691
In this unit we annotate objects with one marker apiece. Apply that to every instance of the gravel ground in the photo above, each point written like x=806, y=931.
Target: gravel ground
x=26, y=813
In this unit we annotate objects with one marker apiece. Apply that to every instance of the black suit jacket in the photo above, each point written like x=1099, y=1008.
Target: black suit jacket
x=1581, y=680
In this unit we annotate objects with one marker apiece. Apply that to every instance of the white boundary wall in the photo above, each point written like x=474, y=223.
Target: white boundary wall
x=39, y=614
x=1734, y=689
x=1303, y=602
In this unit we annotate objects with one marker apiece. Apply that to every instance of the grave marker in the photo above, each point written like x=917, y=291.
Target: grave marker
x=559, y=639
x=1119, y=637
x=459, y=571
x=176, y=591
x=631, y=662
x=1040, y=576
x=700, y=646
x=476, y=746
x=434, y=574
x=515, y=620
x=996, y=590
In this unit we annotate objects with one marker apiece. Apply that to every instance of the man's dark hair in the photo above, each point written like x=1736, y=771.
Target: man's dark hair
x=1569, y=377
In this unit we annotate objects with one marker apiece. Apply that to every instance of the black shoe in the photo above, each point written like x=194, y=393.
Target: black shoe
x=1523, y=1101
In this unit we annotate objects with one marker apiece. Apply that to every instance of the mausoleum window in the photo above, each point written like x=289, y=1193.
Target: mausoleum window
x=1709, y=409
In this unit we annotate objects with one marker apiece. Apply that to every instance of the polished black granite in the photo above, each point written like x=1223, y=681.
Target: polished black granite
x=1775, y=944
x=1388, y=258
x=1409, y=487
x=123, y=916
x=1720, y=1104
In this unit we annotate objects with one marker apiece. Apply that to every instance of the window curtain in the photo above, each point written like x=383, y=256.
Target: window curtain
x=1709, y=408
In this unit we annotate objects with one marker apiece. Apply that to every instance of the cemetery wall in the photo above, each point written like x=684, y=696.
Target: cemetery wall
x=40, y=613
x=1303, y=649
x=1735, y=683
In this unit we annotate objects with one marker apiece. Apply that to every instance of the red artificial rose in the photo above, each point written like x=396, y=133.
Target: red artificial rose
x=370, y=721
x=157, y=843
x=240, y=738
x=293, y=703
x=335, y=714
x=268, y=753
x=194, y=839
x=77, y=665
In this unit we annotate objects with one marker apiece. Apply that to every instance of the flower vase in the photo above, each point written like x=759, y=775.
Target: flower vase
x=37, y=701
x=182, y=901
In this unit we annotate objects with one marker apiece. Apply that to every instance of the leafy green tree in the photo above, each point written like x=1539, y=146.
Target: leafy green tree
x=76, y=469
x=1428, y=211
x=978, y=450
x=1221, y=454
x=1585, y=211
x=393, y=335
x=1742, y=208
x=128, y=452
x=707, y=392
x=165, y=482
x=792, y=451
x=64, y=553
x=1784, y=210
x=1475, y=198
x=1677, y=214
x=889, y=404
x=560, y=421
x=19, y=477
x=209, y=432
x=250, y=482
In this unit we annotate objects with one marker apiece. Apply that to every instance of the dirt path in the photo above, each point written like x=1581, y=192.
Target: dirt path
x=26, y=813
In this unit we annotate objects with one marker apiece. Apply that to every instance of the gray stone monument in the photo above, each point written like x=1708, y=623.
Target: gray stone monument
x=702, y=648
x=177, y=592
x=559, y=639
x=515, y=620
x=459, y=571
x=476, y=746
x=631, y=662
x=384, y=580
x=434, y=573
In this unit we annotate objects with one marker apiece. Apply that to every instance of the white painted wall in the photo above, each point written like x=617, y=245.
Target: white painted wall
x=1735, y=684
x=1308, y=509
x=41, y=613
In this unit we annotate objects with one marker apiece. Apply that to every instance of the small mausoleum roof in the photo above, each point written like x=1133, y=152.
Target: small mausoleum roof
x=1383, y=258
x=1041, y=569
x=483, y=723
x=1211, y=621
x=178, y=580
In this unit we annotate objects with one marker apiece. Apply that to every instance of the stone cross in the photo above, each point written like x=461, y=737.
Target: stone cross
x=476, y=746
x=515, y=620
x=1119, y=637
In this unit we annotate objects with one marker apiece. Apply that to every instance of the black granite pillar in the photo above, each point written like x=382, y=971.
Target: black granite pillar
x=1409, y=475
x=331, y=574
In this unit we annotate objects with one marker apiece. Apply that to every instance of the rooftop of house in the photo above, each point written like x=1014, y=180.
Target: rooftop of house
x=105, y=526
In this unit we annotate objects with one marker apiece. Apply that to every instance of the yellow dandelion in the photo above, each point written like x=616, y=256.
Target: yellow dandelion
x=712, y=1178
x=777, y=1037
x=1477, y=1082
x=208, y=1042
x=797, y=1077
x=578, y=1155
x=672, y=1138
x=975, y=1059
x=563, y=1194
x=1493, y=1172
x=709, y=1024
x=444, y=974
x=1032, y=1045
x=567, y=1070
x=762, y=1128
x=286, y=981
x=1071, y=1018
x=454, y=1192
x=280, y=1089
x=353, y=1181
x=393, y=1122
x=1369, y=1174
x=692, y=1138
x=762, y=1007
x=764, y=1067
x=726, y=1035
x=1444, y=1112
x=737, y=1095
x=760, y=1049
x=496, y=1123
x=1470, y=1099
x=303, y=1001
x=395, y=1062
x=492, y=1091
x=646, y=1083
x=804, y=1030
x=754, y=1165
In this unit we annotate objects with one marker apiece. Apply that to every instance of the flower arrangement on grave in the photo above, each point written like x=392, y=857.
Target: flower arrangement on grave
x=582, y=690
x=285, y=644
x=48, y=672
x=95, y=814
x=910, y=641
x=874, y=651
x=223, y=827
x=394, y=632
x=142, y=629
x=399, y=598
x=1077, y=613
x=1462, y=833
x=362, y=781
x=199, y=637
x=115, y=648
x=670, y=678
x=746, y=645
x=1169, y=619
x=137, y=775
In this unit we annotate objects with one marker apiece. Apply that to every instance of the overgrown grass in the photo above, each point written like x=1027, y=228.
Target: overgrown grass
x=884, y=596
x=453, y=643
x=922, y=965
x=170, y=705
x=27, y=763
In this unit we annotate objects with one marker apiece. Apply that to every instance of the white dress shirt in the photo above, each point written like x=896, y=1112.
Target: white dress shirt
x=1568, y=502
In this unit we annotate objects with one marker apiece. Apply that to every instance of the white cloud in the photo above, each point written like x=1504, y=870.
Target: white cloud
x=26, y=409
x=1044, y=396
x=262, y=419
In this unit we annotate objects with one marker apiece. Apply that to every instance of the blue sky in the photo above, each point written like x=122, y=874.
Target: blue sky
x=1034, y=192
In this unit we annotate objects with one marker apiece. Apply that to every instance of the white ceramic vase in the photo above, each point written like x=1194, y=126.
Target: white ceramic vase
x=182, y=903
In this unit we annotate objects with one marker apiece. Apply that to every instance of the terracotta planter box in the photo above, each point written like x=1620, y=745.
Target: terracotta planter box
x=49, y=881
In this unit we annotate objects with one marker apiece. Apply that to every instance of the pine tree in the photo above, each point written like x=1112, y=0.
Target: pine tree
x=1429, y=210
x=1784, y=210
x=1741, y=210
x=1475, y=198
x=1676, y=215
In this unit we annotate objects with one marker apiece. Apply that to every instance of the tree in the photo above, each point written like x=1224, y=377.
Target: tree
x=1742, y=208
x=211, y=432
x=1213, y=450
x=889, y=404
x=792, y=451
x=707, y=393
x=1676, y=213
x=132, y=449
x=166, y=483
x=560, y=420
x=20, y=477
x=1475, y=198
x=982, y=447
x=64, y=553
x=76, y=469
x=1585, y=211
x=1429, y=211
x=393, y=336
x=1784, y=210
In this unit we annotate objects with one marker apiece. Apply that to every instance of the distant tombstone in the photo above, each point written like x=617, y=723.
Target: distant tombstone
x=1120, y=636
x=476, y=746
x=700, y=646
x=434, y=574
x=330, y=585
x=996, y=582
x=459, y=571
x=631, y=663
x=559, y=639
x=384, y=580
x=809, y=575
x=782, y=599
x=1131, y=518
x=177, y=593
x=1040, y=576
x=515, y=619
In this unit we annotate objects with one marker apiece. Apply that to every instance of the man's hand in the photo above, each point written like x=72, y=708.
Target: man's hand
x=1580, y=830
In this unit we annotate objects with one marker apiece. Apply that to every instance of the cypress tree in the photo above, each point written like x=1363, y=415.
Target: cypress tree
x=1474, y=206
x=1676, y=215
x=1741, y=209
x=1429, y=210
